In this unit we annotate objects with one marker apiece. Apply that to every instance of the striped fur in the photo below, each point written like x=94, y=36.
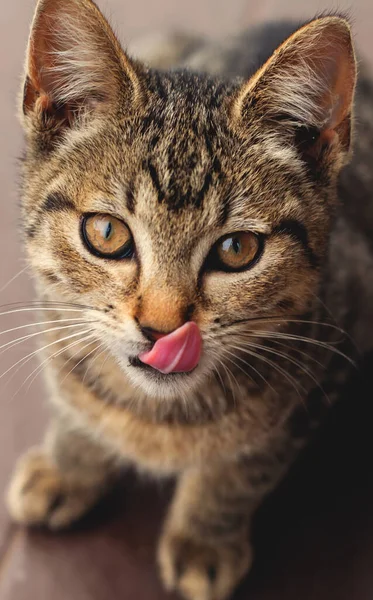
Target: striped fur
x=185, y=157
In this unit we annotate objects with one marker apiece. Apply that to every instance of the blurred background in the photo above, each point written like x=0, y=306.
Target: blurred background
x=315, y=544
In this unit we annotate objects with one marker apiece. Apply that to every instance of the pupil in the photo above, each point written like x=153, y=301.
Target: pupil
x=108, y=231
x=236, y=245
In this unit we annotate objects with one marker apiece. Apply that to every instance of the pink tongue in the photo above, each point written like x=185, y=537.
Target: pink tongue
x=178, y=352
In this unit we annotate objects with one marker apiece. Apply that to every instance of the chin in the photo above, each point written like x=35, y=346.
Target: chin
x=160, y=385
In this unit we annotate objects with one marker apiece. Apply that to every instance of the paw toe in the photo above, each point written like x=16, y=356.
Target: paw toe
x=38, y=495
x=202, y=572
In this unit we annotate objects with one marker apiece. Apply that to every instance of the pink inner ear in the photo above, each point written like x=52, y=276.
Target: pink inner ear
x=62, y=32
x=76, y=61
x=310, y=77
x=43, y=43
x=341, y=93
x=178, y=352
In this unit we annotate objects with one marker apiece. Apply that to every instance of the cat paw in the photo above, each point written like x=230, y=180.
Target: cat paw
x=39, y=496
x=199, y=571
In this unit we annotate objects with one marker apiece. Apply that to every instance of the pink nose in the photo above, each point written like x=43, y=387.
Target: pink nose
x=177, y=352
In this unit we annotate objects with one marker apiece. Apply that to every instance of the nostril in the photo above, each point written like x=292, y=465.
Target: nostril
x=151, y=334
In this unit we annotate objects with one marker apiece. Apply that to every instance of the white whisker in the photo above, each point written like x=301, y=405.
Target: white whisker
x=12, y=343
x=95, y=358
x=46, y=303
x=41, y=323
x=282, y=319
x=230, y=376
x=251, y=367
x=37, y=308
x=41, y=367
x=286, y=357
x=300, y=338
x=91, y=337
x=103, y=363
x=300, y=352
x=6, y=285
x=280, y=370
x=41, y=350
x=81, y=360
x=216, y=371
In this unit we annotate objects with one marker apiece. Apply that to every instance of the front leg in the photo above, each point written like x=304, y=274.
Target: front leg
x=205, y=549
x=56, y=484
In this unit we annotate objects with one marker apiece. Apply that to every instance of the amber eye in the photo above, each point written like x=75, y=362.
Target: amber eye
x=237, y=251
x=107, y=237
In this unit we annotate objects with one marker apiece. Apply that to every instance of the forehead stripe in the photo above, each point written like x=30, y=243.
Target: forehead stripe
x=155, y=180
x=298, y=232
x=57, y=202
x=54, y=203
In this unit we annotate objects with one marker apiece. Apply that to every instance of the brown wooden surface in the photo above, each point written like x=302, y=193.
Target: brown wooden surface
x=314, y=537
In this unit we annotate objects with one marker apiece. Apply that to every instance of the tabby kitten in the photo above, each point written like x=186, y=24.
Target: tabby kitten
x=185, y=233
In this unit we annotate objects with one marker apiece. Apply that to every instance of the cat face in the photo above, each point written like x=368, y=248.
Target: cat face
x=153, y=200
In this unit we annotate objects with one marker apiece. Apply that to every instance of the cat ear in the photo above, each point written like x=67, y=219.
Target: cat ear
x=307, y=83
x=75, y=64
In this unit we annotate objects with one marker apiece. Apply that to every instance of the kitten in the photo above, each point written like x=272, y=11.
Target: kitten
x=186, y=234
